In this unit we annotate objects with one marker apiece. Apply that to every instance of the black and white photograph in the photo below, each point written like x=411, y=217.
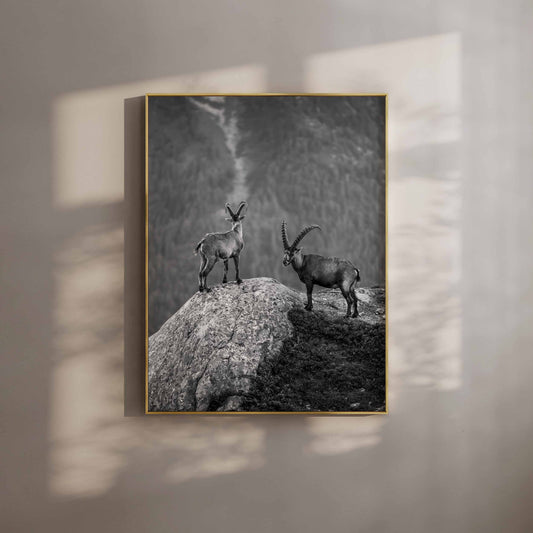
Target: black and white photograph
x=266, y=253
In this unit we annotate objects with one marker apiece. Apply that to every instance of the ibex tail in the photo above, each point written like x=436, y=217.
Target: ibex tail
x=198, y=246
x=357, y=277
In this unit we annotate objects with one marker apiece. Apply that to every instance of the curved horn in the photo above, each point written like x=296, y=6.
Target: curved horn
x=241, y=207
x=229, y=210
x=284, y=237
x=303, y=233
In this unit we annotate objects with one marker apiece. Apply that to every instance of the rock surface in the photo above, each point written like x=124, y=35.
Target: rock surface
x=205, y=357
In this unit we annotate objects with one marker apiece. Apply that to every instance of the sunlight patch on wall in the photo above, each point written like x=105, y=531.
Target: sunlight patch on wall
x=85, y=448
x=422, y=78
x=88, y=130
x=332, y=436
x=93, y=447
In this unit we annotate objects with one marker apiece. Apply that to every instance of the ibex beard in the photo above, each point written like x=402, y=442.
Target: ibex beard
x=329, y=272
x=224, y=246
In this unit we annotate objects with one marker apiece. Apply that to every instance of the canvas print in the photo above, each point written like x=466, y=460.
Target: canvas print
x=266, y=254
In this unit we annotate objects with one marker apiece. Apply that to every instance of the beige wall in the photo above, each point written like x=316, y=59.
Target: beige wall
x=455, y=453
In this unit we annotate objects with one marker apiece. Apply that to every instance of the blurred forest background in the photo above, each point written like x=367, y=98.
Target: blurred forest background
x=305, y=159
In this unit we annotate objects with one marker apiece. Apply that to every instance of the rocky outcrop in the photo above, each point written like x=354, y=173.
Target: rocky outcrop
x=206, y=356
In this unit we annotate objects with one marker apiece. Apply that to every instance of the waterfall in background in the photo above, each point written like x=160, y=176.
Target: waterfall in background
x=227, y=120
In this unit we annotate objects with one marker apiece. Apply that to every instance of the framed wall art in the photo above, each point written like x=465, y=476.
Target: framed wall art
x=266, y=244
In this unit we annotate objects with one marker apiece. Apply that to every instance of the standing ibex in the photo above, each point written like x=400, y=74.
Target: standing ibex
x=215, y=246
x=312, y=269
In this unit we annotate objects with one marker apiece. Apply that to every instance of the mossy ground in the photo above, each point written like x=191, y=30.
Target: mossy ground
x=330, y=363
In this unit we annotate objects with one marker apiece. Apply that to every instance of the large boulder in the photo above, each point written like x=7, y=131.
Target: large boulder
x=207, y=356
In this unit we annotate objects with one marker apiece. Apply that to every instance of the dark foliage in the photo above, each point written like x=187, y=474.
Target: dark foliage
x=327, y=365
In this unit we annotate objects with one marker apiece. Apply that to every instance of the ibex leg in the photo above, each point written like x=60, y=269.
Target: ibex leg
x=348, y=297
x=354, y=301
x=208, y=267
x=236, y=261
x=200, y=274
x=309, y=305
x=225, y=278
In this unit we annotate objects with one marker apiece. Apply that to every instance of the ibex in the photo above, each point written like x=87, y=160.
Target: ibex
x=215, y=246
x=312, y=269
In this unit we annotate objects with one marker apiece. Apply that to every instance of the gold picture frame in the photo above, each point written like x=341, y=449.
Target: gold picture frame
x=146, y=259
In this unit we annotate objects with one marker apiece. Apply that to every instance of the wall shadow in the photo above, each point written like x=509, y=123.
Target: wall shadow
x=134, y=256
